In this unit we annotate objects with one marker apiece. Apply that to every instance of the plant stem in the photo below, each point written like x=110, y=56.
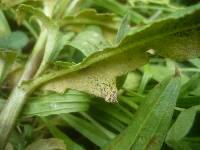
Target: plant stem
x=18, y=96
x=35, y=59
x=10, y=113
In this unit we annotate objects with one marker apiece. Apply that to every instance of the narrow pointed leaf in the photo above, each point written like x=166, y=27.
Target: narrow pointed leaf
x=87, y=129
x=123, y=28
x=180, y=129
x=70, y=145
x=108, y=120
x=5, y=29
x=151, y=122
x=114, y=110
x=189, y=101
x=57, y=104
x=191, y=85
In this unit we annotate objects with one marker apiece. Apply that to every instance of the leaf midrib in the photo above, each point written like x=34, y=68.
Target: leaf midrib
x=161, y=118
x=149, y=114
x=151, y=111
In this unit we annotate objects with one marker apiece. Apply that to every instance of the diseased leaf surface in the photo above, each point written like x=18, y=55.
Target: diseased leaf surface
x=118, y=50
x=100, y=78
x=176, y=36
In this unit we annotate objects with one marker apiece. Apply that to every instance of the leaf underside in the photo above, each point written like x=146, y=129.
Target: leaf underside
x=176, y=36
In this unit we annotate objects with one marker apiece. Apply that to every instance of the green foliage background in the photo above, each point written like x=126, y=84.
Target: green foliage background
x=99, y=74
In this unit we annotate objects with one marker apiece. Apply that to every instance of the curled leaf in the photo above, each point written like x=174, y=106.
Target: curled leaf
x=100, y=78
x=170, y=37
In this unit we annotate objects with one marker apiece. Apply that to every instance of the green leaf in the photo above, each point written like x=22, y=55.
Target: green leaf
x=108, y=119
x=107, y=132
x=52, y=34
x=168, y=36
x=132, y=81
x=196, y=91
x=188, y=101
x=157, y=72
x=181, y=127
x=71, y=145
x=63, y=40
x=7, y=59
x=174, y=37
x=89, y=40
x=152, y=119
x=114, y=110
x=191, y=85
x=89, y=17
x=71, y=101
x=123, y=29
x=2, y=102
x=54, y=103
x=50, y=49
x=87, y=129
x=5, y=29
x=195, y=62
x=145, y=79
x=14, y=41
x=120, y=10
x=47, y=144
x=10, y=3
x=25, y=11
